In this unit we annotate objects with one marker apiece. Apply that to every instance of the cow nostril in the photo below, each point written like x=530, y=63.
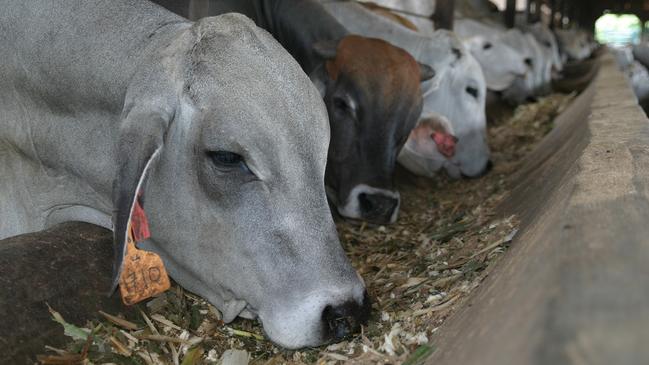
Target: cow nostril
x=377, y=207
x=337, y=325
x=342, y=320
x=529, y=62
x=490, y=165
x=365, y=203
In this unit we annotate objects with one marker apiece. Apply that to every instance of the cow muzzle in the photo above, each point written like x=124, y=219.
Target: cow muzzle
x=374, y=205
x=319, y=318
x=342, y=320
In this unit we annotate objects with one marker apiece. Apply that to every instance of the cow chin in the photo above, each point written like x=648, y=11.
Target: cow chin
x=453, y=171
x=421, y=165
x=306, y=323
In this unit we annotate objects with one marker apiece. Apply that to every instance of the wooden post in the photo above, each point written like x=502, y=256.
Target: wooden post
x=528, y=11
x=553, y=13
x=443, y=15
x=534, y=11
x=587, y=15
x=572, y=14
x=510, y=14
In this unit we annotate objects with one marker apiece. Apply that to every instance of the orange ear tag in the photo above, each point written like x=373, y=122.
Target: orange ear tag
x=143, y=273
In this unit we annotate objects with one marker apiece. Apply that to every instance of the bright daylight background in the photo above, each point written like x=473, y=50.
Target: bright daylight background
x=618, y=29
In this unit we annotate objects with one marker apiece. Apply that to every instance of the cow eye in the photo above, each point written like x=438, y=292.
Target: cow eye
x=487, y=46
x=472, y=91
x=227, y=160
x=548, y=44
x=341, y=105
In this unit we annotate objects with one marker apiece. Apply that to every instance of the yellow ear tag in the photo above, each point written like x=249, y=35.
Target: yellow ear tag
x=143, y=273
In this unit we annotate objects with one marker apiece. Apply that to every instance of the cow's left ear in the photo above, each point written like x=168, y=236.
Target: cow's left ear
x=326, y=49
x=140, y=142
x=425, y=72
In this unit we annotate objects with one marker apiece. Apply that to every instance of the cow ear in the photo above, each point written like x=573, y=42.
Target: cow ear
x=432, y=135
x=426, y=72
x=326, y=49
x=140, y=142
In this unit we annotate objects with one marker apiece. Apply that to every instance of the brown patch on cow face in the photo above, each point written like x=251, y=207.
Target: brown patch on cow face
x=378, y=67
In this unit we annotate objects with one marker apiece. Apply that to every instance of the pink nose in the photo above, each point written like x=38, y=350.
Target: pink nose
x=445, y=143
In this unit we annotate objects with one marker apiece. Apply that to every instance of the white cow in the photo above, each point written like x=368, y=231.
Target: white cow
x=458, y=99
x=537, y=58
x=420, y=154
x=623, y=57
x=639, y=78
x=538, y=82
x=506, y=57
x=500, y=63
x=633, y=69
x=548, y=41
x=575, y=44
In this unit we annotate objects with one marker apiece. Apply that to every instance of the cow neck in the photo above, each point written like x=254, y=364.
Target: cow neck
x=298, y=25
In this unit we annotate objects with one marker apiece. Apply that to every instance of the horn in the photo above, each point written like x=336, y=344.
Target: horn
x=140, y=142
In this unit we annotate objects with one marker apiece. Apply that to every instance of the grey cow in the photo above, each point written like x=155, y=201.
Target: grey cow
x=101, y=99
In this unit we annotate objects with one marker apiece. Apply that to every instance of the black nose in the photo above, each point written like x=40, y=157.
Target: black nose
x=488, y=166
x=342, y=320
x=377, y=208
x=529, y=62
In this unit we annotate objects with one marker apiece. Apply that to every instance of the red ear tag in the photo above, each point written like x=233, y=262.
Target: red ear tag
x=139, y=223
x=143, y=274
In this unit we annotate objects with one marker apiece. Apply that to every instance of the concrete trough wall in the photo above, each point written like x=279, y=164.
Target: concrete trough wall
x=574, y=288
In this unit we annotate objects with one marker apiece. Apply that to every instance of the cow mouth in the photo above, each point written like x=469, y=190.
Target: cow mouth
x=366, y=218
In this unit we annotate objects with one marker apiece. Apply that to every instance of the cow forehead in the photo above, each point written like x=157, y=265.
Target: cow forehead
x=255, y=115
x=376, y=63
x=248, y=91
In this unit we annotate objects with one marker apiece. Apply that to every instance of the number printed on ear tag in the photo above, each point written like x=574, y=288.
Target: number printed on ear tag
x=143, y=273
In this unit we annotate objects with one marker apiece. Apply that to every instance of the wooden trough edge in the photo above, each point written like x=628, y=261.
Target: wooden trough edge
x=574, y=288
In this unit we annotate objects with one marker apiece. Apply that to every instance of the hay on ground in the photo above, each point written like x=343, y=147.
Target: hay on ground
x=417, y=271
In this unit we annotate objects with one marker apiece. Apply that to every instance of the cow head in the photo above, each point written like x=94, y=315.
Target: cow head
x=525, y=87
x=453, y=116
x=548, y=42
x=373, y=96
x=501, y=64
x=232, y=175
x=574, y=44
